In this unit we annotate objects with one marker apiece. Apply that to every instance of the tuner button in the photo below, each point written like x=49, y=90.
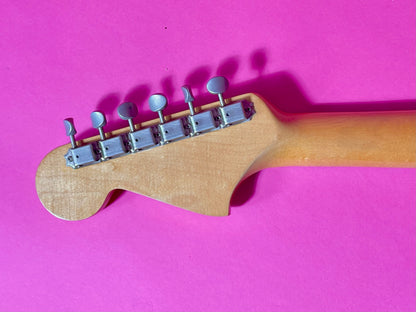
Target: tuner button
x=70, y=131
x=188, y=98
x=157, y=103
x=98, y=122
x=218, y=85
x=127, y=111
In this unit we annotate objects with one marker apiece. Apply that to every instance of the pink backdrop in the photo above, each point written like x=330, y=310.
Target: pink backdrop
x=297, y=239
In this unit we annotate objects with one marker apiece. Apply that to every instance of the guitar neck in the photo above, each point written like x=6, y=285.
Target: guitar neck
x=377, y=139
x=186, y=173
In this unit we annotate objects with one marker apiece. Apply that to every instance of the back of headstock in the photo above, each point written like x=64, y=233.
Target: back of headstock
x=197, y=172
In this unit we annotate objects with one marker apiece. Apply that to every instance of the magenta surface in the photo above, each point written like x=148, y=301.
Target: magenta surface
x=297, y=239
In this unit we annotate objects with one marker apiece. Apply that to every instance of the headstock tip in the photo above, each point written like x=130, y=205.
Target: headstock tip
x=64, y=192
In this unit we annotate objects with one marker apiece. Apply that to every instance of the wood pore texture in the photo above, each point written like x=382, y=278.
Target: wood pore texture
x=200, y=173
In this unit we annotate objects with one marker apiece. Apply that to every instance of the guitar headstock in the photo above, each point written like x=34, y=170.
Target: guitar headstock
x=192, y=159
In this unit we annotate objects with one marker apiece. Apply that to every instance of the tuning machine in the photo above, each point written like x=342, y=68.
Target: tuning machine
x=169, y=131
x=111, y=147
x=233, y=113
x=79, y=156
x=140, y=139
x=201, y=122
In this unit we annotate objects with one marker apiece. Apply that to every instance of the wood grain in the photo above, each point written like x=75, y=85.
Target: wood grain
x=200, y=173
x=366, y=139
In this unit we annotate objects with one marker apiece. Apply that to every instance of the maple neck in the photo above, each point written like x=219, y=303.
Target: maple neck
x=188, y=172
x=370, y=139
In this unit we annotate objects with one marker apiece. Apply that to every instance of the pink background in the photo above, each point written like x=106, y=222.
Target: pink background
x=297, y=239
